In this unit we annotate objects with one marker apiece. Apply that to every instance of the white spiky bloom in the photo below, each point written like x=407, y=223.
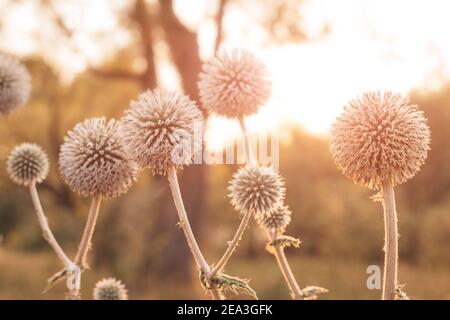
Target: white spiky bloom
x=256, y=189
x=234, y=84
x=14, y=84
x=162, y=128
x=27, y=163
x=110, y=289
x=277, y=219
x=380, y=137
x=94, y=161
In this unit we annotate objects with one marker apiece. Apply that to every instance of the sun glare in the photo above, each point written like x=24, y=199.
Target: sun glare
x=383, y=44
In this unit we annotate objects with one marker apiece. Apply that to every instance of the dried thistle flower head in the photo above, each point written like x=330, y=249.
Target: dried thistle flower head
x=110, y=289
x=380, y=137
x=27, y=163
x=161, y=128
x=234, y=84
x=256, y=189
x=14, y=84
x=94, y=161
x=277, y=219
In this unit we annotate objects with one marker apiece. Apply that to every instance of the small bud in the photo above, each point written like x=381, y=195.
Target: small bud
x=27, y=163
x=277, y=219
x=110, y=289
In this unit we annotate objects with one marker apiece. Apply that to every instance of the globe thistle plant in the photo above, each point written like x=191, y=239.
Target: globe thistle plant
x=256, y=189
x=93, y=159
x=380, y=137
x=160, y=130
x=14, y=84
x=380, y=141
x=27, y=163
x=277, y=219
x=159, y=126
x=110, y=289
x=234, y=84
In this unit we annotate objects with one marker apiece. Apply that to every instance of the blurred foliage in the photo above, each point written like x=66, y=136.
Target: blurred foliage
x=341, y=228
x=335, y=219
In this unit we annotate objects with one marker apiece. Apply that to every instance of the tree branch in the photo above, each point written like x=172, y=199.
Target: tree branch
x=116, y=74
x=219, y=24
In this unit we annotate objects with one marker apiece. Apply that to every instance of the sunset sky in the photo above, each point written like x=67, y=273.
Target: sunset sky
x=381, y=44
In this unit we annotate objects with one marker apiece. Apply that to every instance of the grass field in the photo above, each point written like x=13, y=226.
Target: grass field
x=23, y=276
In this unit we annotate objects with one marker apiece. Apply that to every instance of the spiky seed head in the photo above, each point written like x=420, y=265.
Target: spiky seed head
x=93, y=159
x=234, y=84
x=277, y=219
x=380, y=137
x=257, y=189
x=162, y=128
x=110, y=289
x=14, y=84
x=27, y=163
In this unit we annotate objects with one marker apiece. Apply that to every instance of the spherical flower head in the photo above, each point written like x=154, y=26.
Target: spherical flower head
x=27, y=163
x=234, y=84
x=162, y=129
x=14, y=84
x=110, y=289
x=93, y=159
x=380, y=138
x=277, y=219
x=256, y=189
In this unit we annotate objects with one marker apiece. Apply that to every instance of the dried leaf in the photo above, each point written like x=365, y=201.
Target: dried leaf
x=400, y=294
x=283, y=241
x=227, y=282
x=312, y=292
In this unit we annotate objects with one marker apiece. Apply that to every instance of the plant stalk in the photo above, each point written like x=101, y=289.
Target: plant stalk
x=233, y=244
x=84, y=246
x=283, y=264
x=85, y=243
x=280, y=256
x=247, y=143
x=391, y=243
x=186, y=227
x=46, y=231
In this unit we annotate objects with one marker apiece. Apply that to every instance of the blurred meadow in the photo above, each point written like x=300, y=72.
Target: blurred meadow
x=91, y=58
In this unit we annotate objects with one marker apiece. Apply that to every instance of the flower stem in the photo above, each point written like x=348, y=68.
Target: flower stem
x=46, y=231
x=391, y=243
x=85, y=243
x=248, y=148
x=280, y=256
x=186, y=226
x=283, y=264
x=233, y=244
